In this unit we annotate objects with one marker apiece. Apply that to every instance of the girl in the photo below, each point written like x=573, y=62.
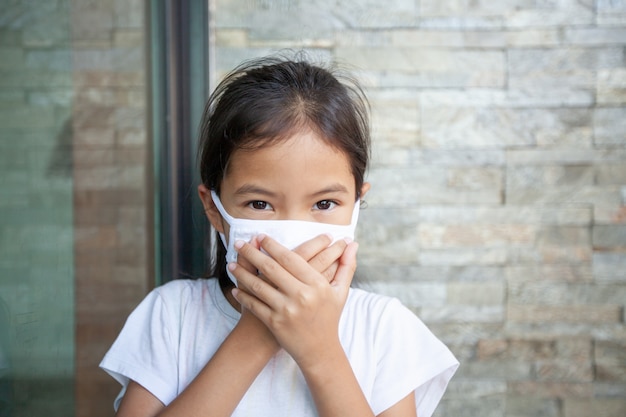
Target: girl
x=278, y=331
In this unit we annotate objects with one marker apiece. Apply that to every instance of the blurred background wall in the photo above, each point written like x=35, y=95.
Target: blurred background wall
x=497, y=210
x=74, y=206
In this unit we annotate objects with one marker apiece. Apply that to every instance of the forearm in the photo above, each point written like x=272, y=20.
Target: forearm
x=219, y=387
x=334, y=387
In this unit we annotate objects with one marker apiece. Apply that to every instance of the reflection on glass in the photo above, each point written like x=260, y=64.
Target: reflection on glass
x=36, y=226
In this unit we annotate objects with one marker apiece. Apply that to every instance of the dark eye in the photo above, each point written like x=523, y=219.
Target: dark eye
x=324, y=205
x=259, y=205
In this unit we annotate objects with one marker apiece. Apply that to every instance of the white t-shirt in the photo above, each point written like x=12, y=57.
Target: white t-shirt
x=178, y=327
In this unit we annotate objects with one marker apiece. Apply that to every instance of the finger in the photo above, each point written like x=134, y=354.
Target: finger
x=330, y=272
x=292, y=264
x=346, y=268
x=271, y=268
x=243, y=262
x=252, y=304
x=314, y=246
x=255, y=285
x=329, y=256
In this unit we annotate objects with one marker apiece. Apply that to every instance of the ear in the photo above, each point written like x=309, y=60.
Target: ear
x=210, y=210
x=364, y=189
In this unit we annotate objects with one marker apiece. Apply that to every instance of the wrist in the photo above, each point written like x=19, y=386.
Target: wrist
x=323, y=363
x=253, y=333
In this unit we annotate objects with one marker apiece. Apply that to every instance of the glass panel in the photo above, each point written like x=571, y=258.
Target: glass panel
x=36, y=221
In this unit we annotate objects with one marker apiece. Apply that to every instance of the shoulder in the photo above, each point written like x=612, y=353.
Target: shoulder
x=174, y=297
x=386, y=319
x=182, y=287
x=181, y=290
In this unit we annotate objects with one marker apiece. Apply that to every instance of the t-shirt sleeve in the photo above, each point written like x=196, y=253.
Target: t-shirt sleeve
x=145, y=351
x=411, y=358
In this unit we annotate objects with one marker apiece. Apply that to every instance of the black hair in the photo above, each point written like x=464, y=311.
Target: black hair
x=266, y=100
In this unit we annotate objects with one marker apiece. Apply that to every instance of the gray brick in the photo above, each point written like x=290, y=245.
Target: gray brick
x=395, y=156
x=568, y=12
x=511, y=98
x=555, y=273
x=537, y=69
x=12, y=58
x=564, y=157
x=555, y=184
x=611, y=213
x=462, y=314
x=432, y=236
x=584, y=407
x=609, y=266
x=567, y=370
x=488, y=406
x=610, y=127
x=408, y=187
x=386, y=237
x=118, y=59
x=534, y=37
x=611, y=174
x=516, y=369
x=35, y=78
x=612, y=86
x=129, y=14
x=412, y=294
x=470, y=293
x=611, y=6
x=449, y=38
x=595, y=36
x=57, y=59
x=352, y=37
x=580, y=314
x=611, y=12
x=610, y=360
x=464, y=256
x=466, y=389
x=532, y=407
x=609, y=236
x=404, y=273
x=428, y=67
x=373, y=14
x=486, y=127
x=555, y=293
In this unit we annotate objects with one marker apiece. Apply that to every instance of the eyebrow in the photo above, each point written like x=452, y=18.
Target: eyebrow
x=333, y=188
x=253, y=189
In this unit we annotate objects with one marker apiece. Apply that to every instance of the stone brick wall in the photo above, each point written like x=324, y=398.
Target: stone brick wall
x=498, y=203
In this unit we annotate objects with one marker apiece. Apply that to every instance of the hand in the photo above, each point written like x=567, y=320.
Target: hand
x=295, y=301
x=317, y=252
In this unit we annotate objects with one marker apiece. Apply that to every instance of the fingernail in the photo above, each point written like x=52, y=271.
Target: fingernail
x=348, y=240
x=231, y=266
x=260, y=238
x=239, y=244
x=235, y=293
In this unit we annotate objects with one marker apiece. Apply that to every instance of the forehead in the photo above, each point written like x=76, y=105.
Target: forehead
x=303, y=158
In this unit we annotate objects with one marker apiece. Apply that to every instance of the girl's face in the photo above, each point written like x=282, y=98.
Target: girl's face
x=300, y=178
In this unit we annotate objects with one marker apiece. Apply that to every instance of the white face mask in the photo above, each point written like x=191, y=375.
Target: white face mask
x=289, y=233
